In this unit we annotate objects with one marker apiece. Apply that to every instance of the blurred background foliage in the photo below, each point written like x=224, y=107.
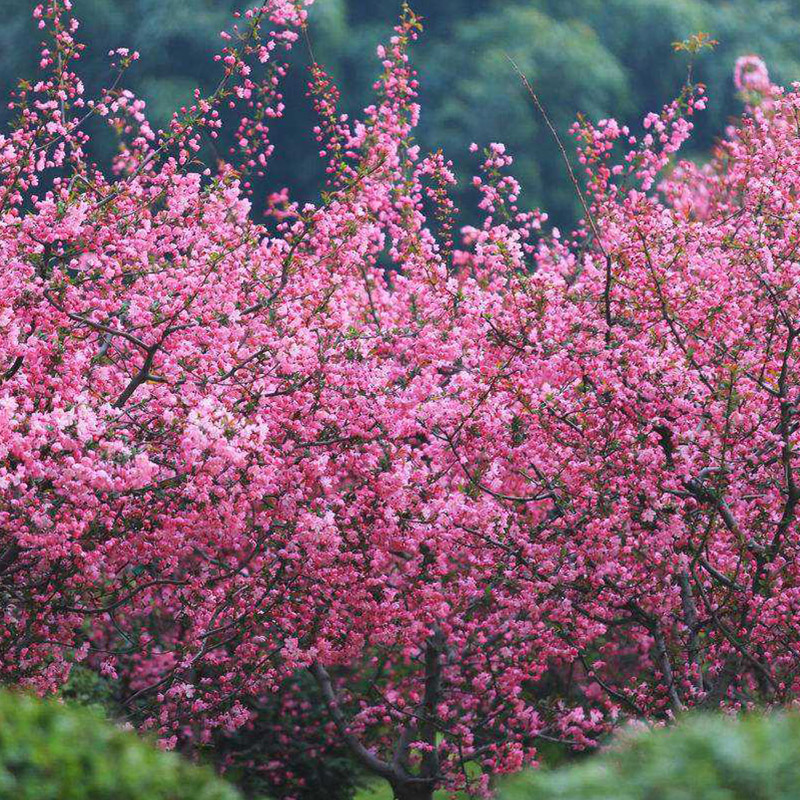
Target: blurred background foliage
x=599, y=57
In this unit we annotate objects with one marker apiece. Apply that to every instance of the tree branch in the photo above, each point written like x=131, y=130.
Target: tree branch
x=368, y=759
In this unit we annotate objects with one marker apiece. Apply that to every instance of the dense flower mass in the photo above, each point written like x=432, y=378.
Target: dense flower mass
x=493, y=493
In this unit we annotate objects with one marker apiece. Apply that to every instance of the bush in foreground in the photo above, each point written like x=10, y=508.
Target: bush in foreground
x=713, y=757
x=50, y=751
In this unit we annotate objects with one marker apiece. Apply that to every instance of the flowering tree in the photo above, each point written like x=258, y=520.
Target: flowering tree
x=486, y=495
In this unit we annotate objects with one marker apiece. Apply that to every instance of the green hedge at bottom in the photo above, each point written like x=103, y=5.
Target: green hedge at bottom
x=53, y=751
x=755, y=757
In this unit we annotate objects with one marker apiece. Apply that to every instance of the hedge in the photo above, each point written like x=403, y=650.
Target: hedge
x=56, y=751
x=715, y=757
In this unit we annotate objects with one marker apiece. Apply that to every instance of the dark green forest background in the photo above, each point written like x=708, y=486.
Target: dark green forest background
x=600, y=57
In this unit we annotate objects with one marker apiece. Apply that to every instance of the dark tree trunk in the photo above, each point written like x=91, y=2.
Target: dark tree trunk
x=405, y=784
x=413, y=790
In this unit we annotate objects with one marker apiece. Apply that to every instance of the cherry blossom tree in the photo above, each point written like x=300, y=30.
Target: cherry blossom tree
x=485, y=494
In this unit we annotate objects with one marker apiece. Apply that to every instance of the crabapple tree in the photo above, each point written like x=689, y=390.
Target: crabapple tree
x=482, y=493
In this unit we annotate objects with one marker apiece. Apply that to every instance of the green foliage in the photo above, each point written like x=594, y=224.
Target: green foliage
x=710, y=757
x=695, y=43
x=289, y=729
x=87, y=688
x=53, y=751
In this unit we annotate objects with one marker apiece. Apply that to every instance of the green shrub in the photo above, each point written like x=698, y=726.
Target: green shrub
x=708, y=757
x=52, y=751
